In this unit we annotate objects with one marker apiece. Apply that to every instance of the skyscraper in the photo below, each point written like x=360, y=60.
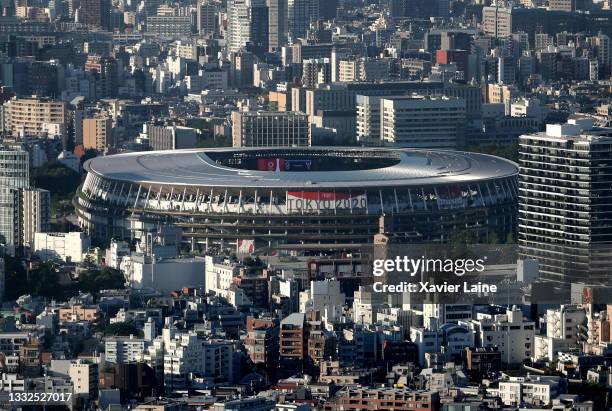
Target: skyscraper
x=207, y=18
x=565, y=218
x=299, y=15
x=14, y=174
x=277, y=24
x=248, y=25
x=95, y=13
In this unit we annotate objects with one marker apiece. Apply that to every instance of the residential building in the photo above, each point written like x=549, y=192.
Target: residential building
x=124, y=349
x=29, y=116
x=97, y=133
x=32, y=214
x=388, y=399
x=14, y=175
x=563, y=177
x=511, y=333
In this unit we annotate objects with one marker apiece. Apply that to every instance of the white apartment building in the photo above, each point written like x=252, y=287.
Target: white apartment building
x=219, y=274
x=564, y=322
x=121, y=350
x=325, y=297
x=512, y=334
x=186, y=353
x=165, y=275
x=422, y=121
x=84, y=376
x=63, y=246
x=366, y=304
x=450, y=339
x=368, y=117
x=533, y=390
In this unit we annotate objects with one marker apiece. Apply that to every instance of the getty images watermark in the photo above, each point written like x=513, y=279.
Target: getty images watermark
x=420, y=267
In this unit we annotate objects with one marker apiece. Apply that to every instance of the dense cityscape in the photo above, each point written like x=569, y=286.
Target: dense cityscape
x=306, y=205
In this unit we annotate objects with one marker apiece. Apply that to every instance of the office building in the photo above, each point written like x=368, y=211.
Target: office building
x=14, y=175
x=104, y=72
x=247, y=26
x=169, y=26
x=30, y=116
x=95, y=13
x=207, y=18
x=170, y=137
x=270, y=129
x=421, y=122
x=277, y=24
x=497, y=21
x=564, y=189
x=299, y=13
x=97, y=133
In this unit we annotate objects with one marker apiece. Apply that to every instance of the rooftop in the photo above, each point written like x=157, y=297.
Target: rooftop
x=218, y=167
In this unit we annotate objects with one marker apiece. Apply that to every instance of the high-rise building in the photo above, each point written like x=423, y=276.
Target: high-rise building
x=565, y=221
x=32, y=116
x=299, y=15
x=422, y=122
x=95, y=13
x=2, y=279
x=97, y=133
x=14, y=175
x=277, y=24
x=105, y=74
x=32, y=213
x=497, y=21
x=247, y=25
x=270, y=129
x=207, y=18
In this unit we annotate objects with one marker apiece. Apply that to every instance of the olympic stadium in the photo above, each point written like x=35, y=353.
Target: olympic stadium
x=297, y=198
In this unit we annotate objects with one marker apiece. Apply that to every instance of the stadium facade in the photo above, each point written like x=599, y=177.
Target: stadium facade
x=301, y=198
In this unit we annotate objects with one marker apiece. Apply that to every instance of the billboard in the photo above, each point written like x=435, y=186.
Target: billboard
x=270, y=164
x=280, y=164
x=298, y=165
x=245, y=246
x=314, y=201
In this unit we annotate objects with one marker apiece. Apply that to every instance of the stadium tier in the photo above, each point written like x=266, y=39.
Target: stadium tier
x=303, y=198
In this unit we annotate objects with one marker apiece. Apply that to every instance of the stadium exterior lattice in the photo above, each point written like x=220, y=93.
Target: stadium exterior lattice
x=297, y=197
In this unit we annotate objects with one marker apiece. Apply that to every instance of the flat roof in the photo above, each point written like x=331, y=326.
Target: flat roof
x=194, y=167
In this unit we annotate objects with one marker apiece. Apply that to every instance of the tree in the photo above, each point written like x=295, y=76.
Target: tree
x=121, y=329
x=57, y=178
x=89, y=154
x=41, y=281
x=92, y=280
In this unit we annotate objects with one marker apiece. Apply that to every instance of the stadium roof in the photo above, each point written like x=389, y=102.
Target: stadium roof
x=194, y=167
